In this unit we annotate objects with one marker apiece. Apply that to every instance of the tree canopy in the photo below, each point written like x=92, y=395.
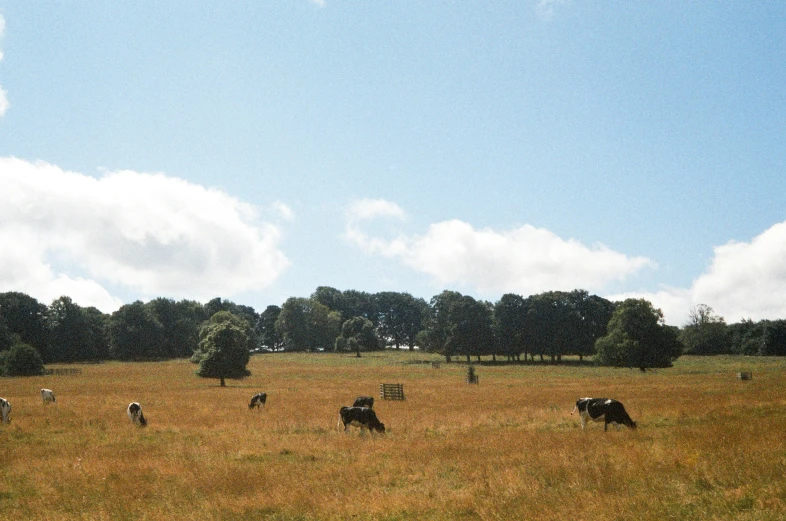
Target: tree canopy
x=637, y=338
x=224, y=348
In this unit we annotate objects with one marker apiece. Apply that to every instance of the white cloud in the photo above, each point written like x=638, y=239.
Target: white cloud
x=283, y=211
x=365, y=209
x=745, y=280
x=524, y=260
x=148, y=234
x=675, y=303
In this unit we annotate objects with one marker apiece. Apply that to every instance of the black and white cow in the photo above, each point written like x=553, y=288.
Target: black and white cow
x=48, y=396
x=363, y=417
x=135, y=413
x=364, y=401
x=603, y=410
x=5, y=410
x=257, y=400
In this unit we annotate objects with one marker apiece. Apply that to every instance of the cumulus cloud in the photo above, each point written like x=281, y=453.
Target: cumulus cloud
x=747, y=279
x=524, y=260
x=67, y=233
x=744, y=280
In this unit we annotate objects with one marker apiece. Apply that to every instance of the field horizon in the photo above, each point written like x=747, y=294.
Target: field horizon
x=708, y=446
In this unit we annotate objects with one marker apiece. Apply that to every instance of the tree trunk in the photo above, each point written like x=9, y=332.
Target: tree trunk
x=223, y=383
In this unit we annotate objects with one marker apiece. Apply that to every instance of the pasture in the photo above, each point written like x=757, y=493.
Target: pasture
x=708, y=446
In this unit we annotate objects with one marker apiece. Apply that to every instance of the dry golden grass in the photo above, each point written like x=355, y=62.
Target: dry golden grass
x=708, y=447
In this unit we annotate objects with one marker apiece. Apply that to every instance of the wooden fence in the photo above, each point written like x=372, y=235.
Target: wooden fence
x=391, y=391
x=62, y=371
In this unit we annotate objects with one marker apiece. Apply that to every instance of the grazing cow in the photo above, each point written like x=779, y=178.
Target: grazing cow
x=135, y=413
x=257, y=400
x=363, y=417
x=48, y=396
x=364, y=401
x=603, y=410
x=5, y=410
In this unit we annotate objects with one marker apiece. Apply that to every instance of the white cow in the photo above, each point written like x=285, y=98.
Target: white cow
x=5, y=410
x=48, y=396
x=135, y=413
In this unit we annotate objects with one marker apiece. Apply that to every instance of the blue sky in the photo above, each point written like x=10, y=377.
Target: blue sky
x=257, y=150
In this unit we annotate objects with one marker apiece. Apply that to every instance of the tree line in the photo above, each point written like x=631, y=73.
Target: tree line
x=545, y=327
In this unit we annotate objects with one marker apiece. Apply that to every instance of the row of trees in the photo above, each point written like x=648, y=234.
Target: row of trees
x=549, y=326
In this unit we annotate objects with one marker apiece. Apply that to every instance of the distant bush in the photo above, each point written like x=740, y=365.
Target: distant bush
x=21, y=360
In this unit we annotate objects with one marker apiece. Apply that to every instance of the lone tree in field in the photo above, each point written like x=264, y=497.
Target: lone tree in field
x=224, y=347
x=21, y=360
x=637, y=337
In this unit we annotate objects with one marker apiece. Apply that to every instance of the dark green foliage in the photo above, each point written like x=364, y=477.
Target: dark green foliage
x=400, y=317
x=269, y=336
x=358, y=334
x=136, y=334
x=75, y=334
x=773, y=338
x=705, y=333
x=224, y=348
x=470, y=332
x=436, y=333
x=21, y=360
x=510, y=326
x=307, y=325
x=745, y=338
x=637, y=338
x=24, y=317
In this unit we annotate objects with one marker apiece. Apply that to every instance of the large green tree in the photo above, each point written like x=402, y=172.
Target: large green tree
x=180, y=323
x=135, y=333
x=269, y=337
x=637, y=337
x=70, y=334
x=705, y=333
x=470, y=331
x=438, y=323
x=400, y=317
x=510, y=315
x=358, y=334
x=307, y=325
x=25, y=318
x=224, y=348
x=21, y=360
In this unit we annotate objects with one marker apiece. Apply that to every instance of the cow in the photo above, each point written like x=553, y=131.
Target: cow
x=364, y=401
x=5, y=411
x=257, y=400
x=603, y=410
x=48, y=396
x=363, y=417
x=135, y=413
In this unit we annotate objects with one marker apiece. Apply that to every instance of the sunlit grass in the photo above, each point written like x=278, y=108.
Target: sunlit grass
x=708, y=445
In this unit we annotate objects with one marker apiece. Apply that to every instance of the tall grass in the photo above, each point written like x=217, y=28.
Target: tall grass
x=708, y=446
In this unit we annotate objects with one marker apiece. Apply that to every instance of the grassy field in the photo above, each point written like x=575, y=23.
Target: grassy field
x=708, y=446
